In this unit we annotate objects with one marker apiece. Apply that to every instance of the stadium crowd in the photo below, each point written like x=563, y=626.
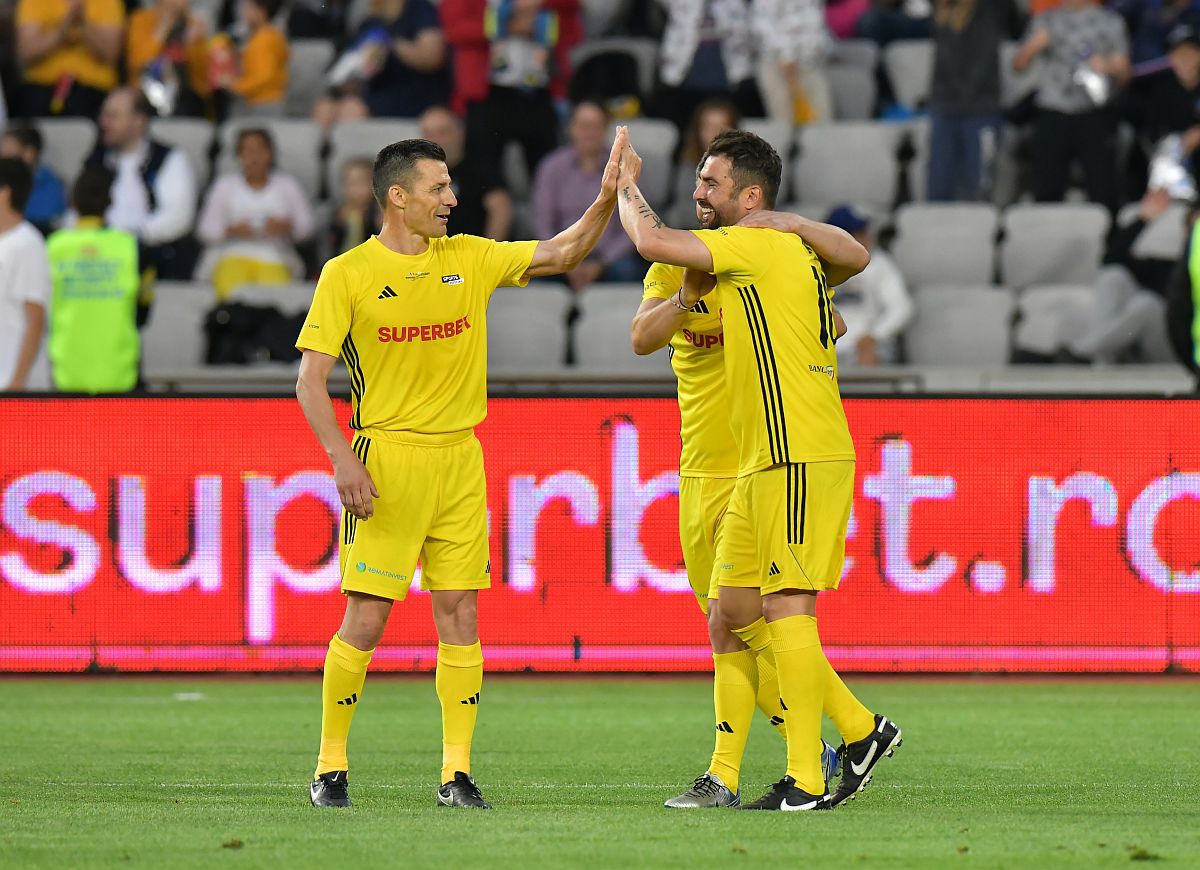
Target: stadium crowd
x=236, y=139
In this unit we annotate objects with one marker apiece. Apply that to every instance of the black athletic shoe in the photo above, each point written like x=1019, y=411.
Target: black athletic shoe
x=330, y=790
x=461, y=792
x=859, y=758
x=785, y=796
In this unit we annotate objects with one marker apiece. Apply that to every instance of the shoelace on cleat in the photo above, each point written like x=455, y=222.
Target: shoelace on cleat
x=470, y=787
x=705, y=785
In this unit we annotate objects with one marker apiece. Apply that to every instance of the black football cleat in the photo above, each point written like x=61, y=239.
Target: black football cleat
x=461, y=792
x=330, y=789
x=785, y=796
x=860, y=758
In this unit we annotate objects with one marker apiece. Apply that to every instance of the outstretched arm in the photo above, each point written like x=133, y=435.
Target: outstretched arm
x=842, y=256
x=654, y=240
x=571, y=247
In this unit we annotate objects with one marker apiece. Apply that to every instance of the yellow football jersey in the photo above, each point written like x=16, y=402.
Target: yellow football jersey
x=780, y=363
x=412, y=329
x=698, y=358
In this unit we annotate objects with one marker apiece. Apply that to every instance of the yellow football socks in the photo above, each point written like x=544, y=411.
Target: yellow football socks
x=853, y=720
x=802, y=675
x=458, y=681
x=735, y=677
x=758, y=637
x=341, y=690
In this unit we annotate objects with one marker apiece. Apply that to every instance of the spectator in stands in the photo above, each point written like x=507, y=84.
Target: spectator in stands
x=1085, y=61
x=792, y=48
x=506, y=54
x=1183, y=292
x=24, y=285
x=154, y=187
x=842, y=16
x=1173, y=102
x=707, y=49
x=252, y=221
x=712, y=117
x=69, y=50
x=357, y=217
x=261, y=85
x=166, y=55
x=48, y=200
x=570, y=176
x=484, y=207
x=875, y=304
x=98, y=282
x=964, y=100
x=395, y=67
x=1150, y=22
x=1129, y=316
x=889, y=20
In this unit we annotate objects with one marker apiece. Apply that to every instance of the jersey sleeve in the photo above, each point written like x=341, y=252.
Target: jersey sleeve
x=724, y=245
x=328, y=320
x=662, y=281
x=504, y=263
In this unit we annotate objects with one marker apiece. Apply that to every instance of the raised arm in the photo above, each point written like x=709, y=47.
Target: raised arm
x=841, y=254
x=654, y=240
x=571, y=247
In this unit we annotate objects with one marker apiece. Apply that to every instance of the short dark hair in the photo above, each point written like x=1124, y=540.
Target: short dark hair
x=26, y=137
x=261, y=133
x=396, y=162
x=92, y=193
x=752, y=160
x=15, y=175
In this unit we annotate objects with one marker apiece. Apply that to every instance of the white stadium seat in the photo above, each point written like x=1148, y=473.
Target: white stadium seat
x=909, y=65
x=946, y=243
x=854, y=91
x=527, y=329
x=193, y=136
x=602, y=342
x=1052, y=243
x=173, y=338
x=1051, y=315
x=955, y=325
x=67, y=143
x=307, y=64
x=363, y=139
x=848, y=162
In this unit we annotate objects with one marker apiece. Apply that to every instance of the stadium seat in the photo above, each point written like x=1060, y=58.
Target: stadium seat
x=1051, y=315
x=516, y=173
x=193, y=136
x=956, y=325
x=527, y=329
x=1164, y=237
x=643, y=50
x=173, y=339
x=363, y=139
x=909, y=65
x=862, y=53
x=290, y=299
x=602, y=345
x=849, y=162
x=781, y=136
x=652, y=136
x=925, y=233
x=68, y=142
x=854, y=91
x=297, y=146
x=917, y=170
x=1052, y=243
x=309, y=60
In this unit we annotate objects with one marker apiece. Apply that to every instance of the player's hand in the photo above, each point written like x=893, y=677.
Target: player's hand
x=696, y=285
x=631, y=163
x=612, y=170
x=1154, y=203
x=355, y=487
x=868, y=352
x=771, y=220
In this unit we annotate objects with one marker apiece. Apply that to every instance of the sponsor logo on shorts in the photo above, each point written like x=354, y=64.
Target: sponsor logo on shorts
x=452, y=279
x=364, y=568
x=822, y=370
x=425, y=332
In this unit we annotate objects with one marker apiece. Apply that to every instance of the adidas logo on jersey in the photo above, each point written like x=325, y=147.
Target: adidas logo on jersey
x=774, y=570
x=700, y=308
x=388, y=293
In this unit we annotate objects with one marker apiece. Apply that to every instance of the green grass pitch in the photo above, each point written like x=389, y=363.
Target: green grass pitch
x=157, y=772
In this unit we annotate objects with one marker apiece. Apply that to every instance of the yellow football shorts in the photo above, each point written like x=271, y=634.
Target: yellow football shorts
x=703, y=521
x=789, y=523
x=432, y=508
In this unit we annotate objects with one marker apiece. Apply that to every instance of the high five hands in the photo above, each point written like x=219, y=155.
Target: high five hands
x=624, y=165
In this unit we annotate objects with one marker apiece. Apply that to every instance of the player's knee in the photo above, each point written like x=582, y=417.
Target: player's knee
x=723, y=640
x=364, y=622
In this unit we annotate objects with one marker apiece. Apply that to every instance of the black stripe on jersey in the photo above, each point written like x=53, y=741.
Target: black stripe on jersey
x=762, y=382
x=774, y=375
x=791, y=502
x=821, y=303
x=803, y=494
x=355, y=366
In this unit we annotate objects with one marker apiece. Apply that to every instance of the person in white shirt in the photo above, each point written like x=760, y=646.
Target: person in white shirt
x=154, y=186
x=24, y=286
x=875, y=303
x=252, y=221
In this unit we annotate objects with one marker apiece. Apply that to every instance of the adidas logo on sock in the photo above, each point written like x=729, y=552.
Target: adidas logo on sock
x=346, y=702
x=774, y=570
x=473, y=700
x=725, y=726
x=388, y=293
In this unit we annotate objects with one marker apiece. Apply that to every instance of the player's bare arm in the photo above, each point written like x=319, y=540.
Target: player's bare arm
x=842, y=256
x=355, y=487
x=572, y=246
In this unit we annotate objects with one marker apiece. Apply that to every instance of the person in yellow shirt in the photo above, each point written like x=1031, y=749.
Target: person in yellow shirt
x=406, y=310
x=784, y=530
x=262, y=84
x=708, y=471
x=169, y=46
x=69, y=50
